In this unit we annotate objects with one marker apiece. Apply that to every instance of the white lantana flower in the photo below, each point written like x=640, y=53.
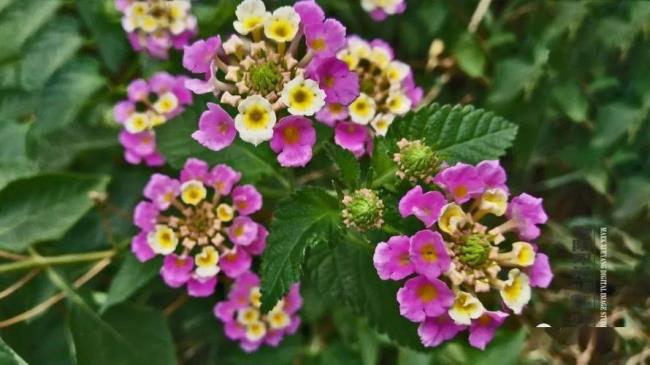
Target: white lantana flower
x=162, y=240
x=255, y=120
x=466, y=307
x=381, y=123
x=516, y=292
x=251, y=15
x=362, y=109
x=282, y=25
x=303, y=96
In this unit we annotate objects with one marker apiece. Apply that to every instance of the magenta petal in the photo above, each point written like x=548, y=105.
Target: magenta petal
x=391, y=258
x=141, y=248
x=216, y=128
x=434, y=331
x=482, y=330
x=428, y=254
x=197, y=57
x=201, y=287
x=426, y=207
x=540, y=273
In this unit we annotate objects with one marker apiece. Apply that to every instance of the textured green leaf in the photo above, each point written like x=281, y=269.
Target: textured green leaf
x=44, y=207
x=123, y=335
x=66, y=93
x=57, y=149
x=52, y=46
x=383, y=166
x=14, y=163
x=20, y=20
x=458, y=133
x=132, y=276
x=307, y=217
x=345, y=273
x=174, y=139
x=614, y=120
x=347, y=165
x=9, y=356
x=112, y=44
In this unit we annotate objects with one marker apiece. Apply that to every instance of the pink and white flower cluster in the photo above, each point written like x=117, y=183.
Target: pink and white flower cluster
x=201, y=223
x=277, y=71
x=155, y=26
x=150, y=103
x=381, y=9
x=244, y=322
x=387, y=90
x=453, y=264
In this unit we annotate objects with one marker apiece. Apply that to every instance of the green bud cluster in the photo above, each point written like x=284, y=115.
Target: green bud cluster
x=416, y=161
x=264, y=77
x=363, y=210
x=475, y=250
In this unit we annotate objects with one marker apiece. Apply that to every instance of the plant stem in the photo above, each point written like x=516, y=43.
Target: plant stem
x=41, y=261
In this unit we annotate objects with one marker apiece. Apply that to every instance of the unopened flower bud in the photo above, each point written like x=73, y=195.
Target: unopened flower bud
x=416, y=161
x=363, y=210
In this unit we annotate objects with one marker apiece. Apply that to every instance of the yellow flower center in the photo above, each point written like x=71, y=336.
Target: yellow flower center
x=426, y=293
x=301, y=98
x=256, y=117
x=291, y=135
x=428, y=253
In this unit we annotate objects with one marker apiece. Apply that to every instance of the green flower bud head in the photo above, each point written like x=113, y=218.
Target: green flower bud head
x=363, y=210
x=264, y=77
x=475, y=251
x=416, y=161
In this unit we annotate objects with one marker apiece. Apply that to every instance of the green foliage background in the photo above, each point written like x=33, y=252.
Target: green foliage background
x=571, y=75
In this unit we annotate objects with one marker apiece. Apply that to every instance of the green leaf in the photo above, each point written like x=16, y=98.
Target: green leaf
x=174, y=139
x=44, y=207
x=132, y=276
x=20, y=20
x=306, y=218
x=14, y=163
x=123, y=335
x=632, y=197
x=112, y=44
x=9, y=356
x=56, y=42
x=347, y=165
x=66, y=93
x=57, y=149
x=345, y=273
x=458, y=133
x=614, y=120
x=469, y=55
x=571, y=100
x=383, y=166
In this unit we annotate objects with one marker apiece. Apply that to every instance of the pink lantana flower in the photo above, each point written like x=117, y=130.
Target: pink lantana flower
x=420, y=298
x=244, y=322
x=425, y=206
x=392, y=259
x=461, y=181
x=435, y=330
x=386, y=91
x=460, y=251
x=200, y=223
x=429, y=254
x=482, y=329
x=380, y=10
x=293, y=140
x=155, y=27
x=150, y=104
x=274, y=82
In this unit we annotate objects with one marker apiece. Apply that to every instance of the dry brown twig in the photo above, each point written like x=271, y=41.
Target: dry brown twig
x=43, y=306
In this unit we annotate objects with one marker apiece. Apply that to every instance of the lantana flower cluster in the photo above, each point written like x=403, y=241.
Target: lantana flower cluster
x=244, y=322
x=455, y=265
x=150, y=103
x=278, y=70
x=201, y=224
x=155, y=26
x=381, y=9
x=387, y=90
